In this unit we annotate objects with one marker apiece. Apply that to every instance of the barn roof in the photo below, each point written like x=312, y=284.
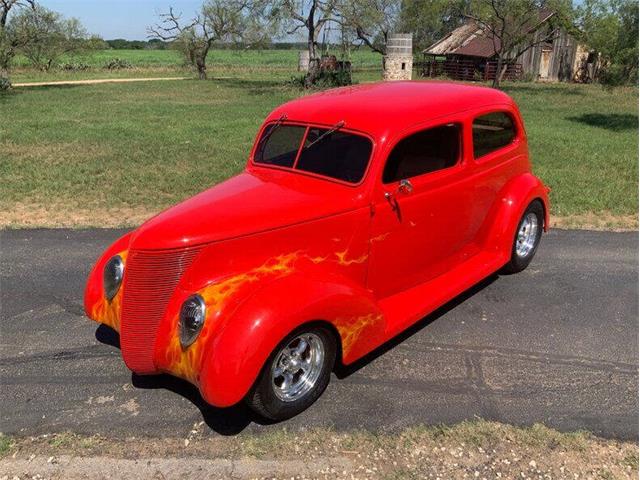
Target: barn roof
x=471, y=39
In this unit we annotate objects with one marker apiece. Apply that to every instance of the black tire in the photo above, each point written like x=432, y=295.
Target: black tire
x=519, y=262
x=263, y=398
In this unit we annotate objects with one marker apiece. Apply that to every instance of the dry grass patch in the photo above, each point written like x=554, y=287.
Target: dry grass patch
x=475, y=449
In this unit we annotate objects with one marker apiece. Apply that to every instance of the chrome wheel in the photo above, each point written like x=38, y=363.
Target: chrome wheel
x=297, y=367
x=527, y=235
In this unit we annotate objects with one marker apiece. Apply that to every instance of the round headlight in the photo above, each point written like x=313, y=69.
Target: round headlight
x=192, y=315
x=112, y=276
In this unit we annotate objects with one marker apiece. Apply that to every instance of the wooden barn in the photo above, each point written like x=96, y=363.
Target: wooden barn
x=468, y=53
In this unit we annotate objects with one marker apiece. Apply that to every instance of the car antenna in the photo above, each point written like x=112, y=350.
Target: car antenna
x=336, y=127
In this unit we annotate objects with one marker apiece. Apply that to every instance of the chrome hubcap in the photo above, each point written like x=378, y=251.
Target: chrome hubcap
x=527, y=235
x=297, y=367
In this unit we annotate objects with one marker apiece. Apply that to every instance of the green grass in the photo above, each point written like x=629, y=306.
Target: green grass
x=150, y=145
x=244, y=63
x=5, y=444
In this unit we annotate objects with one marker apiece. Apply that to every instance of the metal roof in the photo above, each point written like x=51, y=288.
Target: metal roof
x=471, y=39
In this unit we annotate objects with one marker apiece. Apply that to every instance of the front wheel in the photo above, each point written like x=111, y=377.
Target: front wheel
x=295, y=375
x=527, y=238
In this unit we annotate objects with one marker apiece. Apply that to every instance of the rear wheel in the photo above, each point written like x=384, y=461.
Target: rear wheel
x=527, y=238
x=295, y=375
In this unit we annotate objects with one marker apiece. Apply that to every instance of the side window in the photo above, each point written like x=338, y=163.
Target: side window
x=492, y=132
x=424, y=152
x=279, y=145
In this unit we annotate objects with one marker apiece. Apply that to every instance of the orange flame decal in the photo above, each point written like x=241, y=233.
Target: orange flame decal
x=108, y=311
x=350, y=329
x=187, y=362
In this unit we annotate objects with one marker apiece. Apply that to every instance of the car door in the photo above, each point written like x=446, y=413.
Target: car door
x=421, y=204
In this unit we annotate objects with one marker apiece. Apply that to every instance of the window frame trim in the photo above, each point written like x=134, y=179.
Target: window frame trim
x=308, y=126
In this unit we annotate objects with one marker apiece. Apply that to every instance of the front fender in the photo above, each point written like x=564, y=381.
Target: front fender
x=507, y=210
x=240, y=349
x=96, y=306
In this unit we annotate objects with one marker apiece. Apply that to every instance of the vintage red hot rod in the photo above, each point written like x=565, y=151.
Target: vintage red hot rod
x=360, y=211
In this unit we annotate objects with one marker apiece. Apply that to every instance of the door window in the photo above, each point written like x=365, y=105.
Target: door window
x=424, y=152
x=492, y=132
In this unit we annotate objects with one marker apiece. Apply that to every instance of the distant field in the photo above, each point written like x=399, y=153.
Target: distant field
x=116, y=153
x=152, y=62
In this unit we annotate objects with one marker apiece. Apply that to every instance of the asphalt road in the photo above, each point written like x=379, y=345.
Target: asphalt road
x=556, y=344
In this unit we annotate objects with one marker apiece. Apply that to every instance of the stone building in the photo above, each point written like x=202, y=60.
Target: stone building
x=398, y=61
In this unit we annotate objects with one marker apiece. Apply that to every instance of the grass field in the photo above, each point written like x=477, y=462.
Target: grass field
x=243, y=63
x=116, y=153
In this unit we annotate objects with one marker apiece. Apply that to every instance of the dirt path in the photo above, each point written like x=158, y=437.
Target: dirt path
x=473, y=450
x=96, y=81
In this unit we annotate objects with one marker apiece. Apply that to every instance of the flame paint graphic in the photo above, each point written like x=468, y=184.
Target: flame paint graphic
x=342, y=258
x=108, y=311
x=351, y=328
x=187, y=363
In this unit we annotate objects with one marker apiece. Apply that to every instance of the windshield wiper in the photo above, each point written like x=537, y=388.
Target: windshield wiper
x=273, y=128
x=333, y=129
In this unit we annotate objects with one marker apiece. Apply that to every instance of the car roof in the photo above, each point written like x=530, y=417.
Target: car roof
x=387, y=107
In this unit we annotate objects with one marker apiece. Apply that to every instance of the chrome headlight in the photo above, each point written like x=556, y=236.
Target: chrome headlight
x=192, y=315
x=112, y=276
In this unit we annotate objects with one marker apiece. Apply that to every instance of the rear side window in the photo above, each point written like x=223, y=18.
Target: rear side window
x=279, y=145
x=424, y=152
x=337, y=154
x=492, y=132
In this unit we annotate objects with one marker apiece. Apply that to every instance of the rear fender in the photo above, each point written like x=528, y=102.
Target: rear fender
x=509, y=207
x=241, y=348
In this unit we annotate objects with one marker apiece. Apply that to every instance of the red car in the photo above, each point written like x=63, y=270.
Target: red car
x=360, y=211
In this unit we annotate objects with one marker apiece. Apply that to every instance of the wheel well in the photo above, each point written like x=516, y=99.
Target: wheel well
x=544, y=212
x=332, y=328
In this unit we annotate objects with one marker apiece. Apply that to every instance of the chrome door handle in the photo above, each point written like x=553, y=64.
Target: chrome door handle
x=405, y=186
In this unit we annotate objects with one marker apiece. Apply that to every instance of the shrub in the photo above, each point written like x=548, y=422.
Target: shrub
x=74, y=66
x=5, y=84
x=117, y=64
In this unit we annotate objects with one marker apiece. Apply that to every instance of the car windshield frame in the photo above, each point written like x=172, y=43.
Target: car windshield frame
x=309, y=126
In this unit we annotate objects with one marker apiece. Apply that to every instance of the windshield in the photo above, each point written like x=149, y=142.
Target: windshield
x=329, y=152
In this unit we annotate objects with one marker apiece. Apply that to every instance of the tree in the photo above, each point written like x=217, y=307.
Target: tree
x=312, y=16
x=217, y=21
x=430, y=20
x=45, y=35
x=516, y=26
x=8, y=41
x=610, y=27
x=371, y=21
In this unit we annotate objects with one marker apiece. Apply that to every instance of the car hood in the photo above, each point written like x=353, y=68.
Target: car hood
x=252, y=202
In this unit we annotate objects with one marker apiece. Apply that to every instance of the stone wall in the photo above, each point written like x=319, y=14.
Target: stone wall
x=398, y=67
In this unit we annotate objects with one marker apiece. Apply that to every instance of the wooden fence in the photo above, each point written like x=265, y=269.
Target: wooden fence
x=467, y=70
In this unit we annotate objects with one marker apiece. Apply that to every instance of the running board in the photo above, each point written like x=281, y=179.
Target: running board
x=405, y=308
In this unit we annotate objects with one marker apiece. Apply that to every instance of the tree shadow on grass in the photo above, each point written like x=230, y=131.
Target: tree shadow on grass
x=615, y=122
x=540, y=89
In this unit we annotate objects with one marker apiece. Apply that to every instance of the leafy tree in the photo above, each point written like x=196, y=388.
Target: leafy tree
x=44, y=35
x=9, y=43
x=610, y=27
x=516, y=26
x=217, y=21
x=371, y=21
x=311, y=16
x=430, y=20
